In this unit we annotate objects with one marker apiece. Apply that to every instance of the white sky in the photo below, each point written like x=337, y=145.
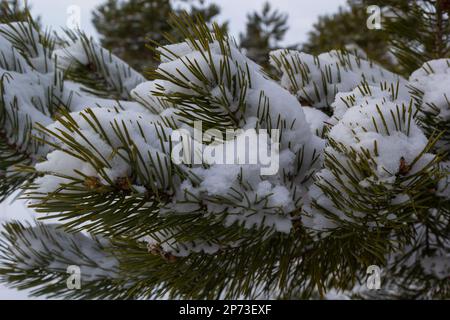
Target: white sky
x=302, y=13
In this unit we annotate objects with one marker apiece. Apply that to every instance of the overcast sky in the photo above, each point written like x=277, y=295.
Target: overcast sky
x=302, y=13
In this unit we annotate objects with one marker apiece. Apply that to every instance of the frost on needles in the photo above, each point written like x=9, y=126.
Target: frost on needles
x=363, y=173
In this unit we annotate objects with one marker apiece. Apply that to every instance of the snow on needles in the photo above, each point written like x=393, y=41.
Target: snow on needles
x=335, y=112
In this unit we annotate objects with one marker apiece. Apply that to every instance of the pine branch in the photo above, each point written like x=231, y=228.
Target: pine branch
x=100, y=72
x=373, y=189
x=316, y=80
x=38, y=257
x=418, y=31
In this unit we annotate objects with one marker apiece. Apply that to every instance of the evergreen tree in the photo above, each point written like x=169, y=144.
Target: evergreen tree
x=207, y=12
x=346, y=30
x=264, y=31
x=91, y=143
x=127, y=27
x=413, y=32
x=419, y=30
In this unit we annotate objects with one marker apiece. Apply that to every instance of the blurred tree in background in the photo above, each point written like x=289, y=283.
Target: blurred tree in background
x=264, y=31
x=406, y=39
x=418, y=30
x=347, y=29
x=126, y=27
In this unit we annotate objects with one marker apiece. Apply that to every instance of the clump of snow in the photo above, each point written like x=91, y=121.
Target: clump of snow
x=144, y=138
x=365, y=94
x=373, y=127
x=430, y=89
x=432, y=79
x=86, y=52
x=317, y=79
x=48, y=247
x=26, y=40
x=25, y=99
x=317, y=120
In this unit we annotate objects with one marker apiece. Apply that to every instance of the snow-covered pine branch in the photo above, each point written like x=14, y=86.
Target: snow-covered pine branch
x=356, y=186
x=315, y=80
x=31, y=253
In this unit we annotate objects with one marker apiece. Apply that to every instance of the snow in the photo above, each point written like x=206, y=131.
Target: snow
x=271, y=209
x=432, y=79
x=333, y=106
x=430, y=253
x=27, y=94
x=53, y=249
x=23, y=37
x=84, y=51
x=11, y=59
x=143, y=138
x=377, y=125
x=14, y=210
x=317, y=79
x=430, y=89
x=217, y=180
x=316, y=119
x=357, y=129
